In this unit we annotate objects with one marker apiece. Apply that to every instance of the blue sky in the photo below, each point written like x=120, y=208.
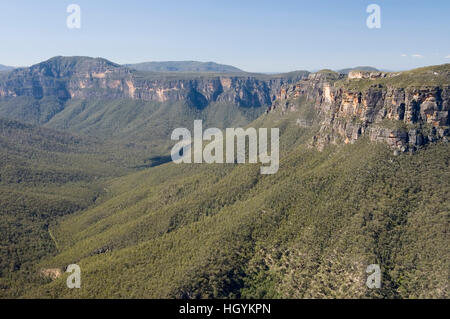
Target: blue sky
x=255, y=35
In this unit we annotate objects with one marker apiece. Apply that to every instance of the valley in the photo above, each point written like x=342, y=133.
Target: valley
x=86, y=178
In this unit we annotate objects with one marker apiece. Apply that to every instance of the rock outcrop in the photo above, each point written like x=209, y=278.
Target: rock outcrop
x=52, y=273
x=405, y=110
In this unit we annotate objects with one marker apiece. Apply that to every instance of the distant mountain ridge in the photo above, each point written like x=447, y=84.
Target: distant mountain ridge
x=5, y=68
x=183, y=66
x=358, y=68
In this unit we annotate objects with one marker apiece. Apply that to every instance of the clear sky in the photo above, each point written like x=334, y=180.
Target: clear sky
x=255, y=35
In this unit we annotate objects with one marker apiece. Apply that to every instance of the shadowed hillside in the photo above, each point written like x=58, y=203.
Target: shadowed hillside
x=44, y=175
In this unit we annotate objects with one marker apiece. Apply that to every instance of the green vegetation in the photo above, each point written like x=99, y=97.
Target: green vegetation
x=143, y=228
x=139, y=124
x=225, y=231
x=45, y=174
x=145, y=124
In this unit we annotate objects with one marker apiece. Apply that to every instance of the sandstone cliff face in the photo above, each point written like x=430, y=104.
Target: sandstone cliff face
x=316, y=88
x=85, y=78
x=199, y=92
x=405, y=116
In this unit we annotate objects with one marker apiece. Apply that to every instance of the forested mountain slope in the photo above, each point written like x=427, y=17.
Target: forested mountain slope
x=46, y=174
x=310, y=230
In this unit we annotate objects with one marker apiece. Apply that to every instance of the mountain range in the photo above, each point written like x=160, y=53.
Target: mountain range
x=85, y=178
x=197, y=67
x=183, y=66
